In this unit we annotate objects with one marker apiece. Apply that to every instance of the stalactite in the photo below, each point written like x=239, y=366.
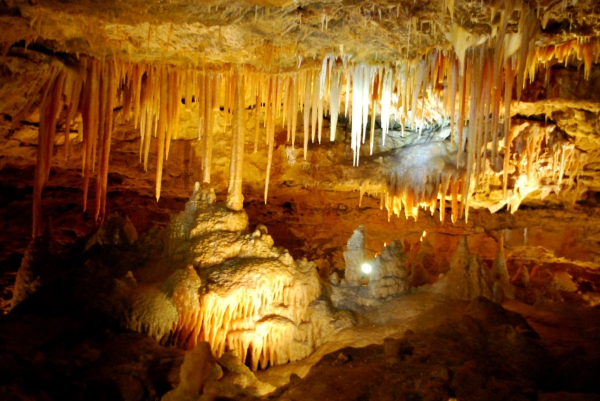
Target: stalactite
x=271, y=135
x=230, y=98
x=365, y=101
x=257, y=109
x=235, y=198
x=161, y=128
x=314, y=107
x=496, y=113
x=90, y=123
x=149, y=111
x=335, y=103
x=286, y=111
x=51, y=103
x=307, y=100
x=207, y=146
x=386, y=101
x=138, y=74
x=172, y=110
x=102, y=177
x=528, y=28
x=124, y=91
x=73, y=105
x=102, y=130
x=477, y=72
x=295, y=91
x=278, y=96
x=188, y=90
x=373, y=115
x=462, y=97
x=228, y=85
x=320, y=116
x=509, y=79
x=200, y=101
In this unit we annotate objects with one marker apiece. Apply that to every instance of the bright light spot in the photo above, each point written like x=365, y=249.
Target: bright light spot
x=366, y=268
x=423, y=236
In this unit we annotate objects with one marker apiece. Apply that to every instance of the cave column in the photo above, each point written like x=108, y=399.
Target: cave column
x=235, y=198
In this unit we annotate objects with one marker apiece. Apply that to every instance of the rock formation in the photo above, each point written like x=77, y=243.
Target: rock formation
x=238, y=292
x=389, y=276
x=468, y=277
x=469, y=130
x=355, y=257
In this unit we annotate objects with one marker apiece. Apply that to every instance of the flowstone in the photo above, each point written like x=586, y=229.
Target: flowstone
x=238, y=292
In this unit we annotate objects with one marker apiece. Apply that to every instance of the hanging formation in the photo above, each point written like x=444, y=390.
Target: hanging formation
x=470, y=84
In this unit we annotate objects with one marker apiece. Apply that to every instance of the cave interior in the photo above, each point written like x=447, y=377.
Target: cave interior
x=300, y=200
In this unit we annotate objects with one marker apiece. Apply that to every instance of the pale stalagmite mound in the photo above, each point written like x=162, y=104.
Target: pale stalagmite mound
x=238, y=292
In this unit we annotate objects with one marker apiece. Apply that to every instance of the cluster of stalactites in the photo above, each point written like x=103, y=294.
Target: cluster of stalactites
x=542, y=160
x=396, y=197
x=92, y=92
x=472, y=86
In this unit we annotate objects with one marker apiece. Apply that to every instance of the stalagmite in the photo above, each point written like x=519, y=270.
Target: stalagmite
x=235, y=198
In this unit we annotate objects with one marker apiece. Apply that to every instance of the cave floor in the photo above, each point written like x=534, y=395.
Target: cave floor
x=419, y=346
x=436, y=349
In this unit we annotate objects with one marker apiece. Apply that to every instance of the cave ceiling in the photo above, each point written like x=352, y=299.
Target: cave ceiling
x=552, y=47
x=217, y=32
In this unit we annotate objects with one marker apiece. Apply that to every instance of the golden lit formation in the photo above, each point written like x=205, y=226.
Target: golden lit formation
x=470, y=86
x=311, y=118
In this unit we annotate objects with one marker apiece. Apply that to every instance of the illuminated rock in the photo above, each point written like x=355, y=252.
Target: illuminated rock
x=563, y=281
x=354, y=257
x=238, y=292
x=389, y=275
x=468, y=277
x=198, y=369
x=238, y=380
